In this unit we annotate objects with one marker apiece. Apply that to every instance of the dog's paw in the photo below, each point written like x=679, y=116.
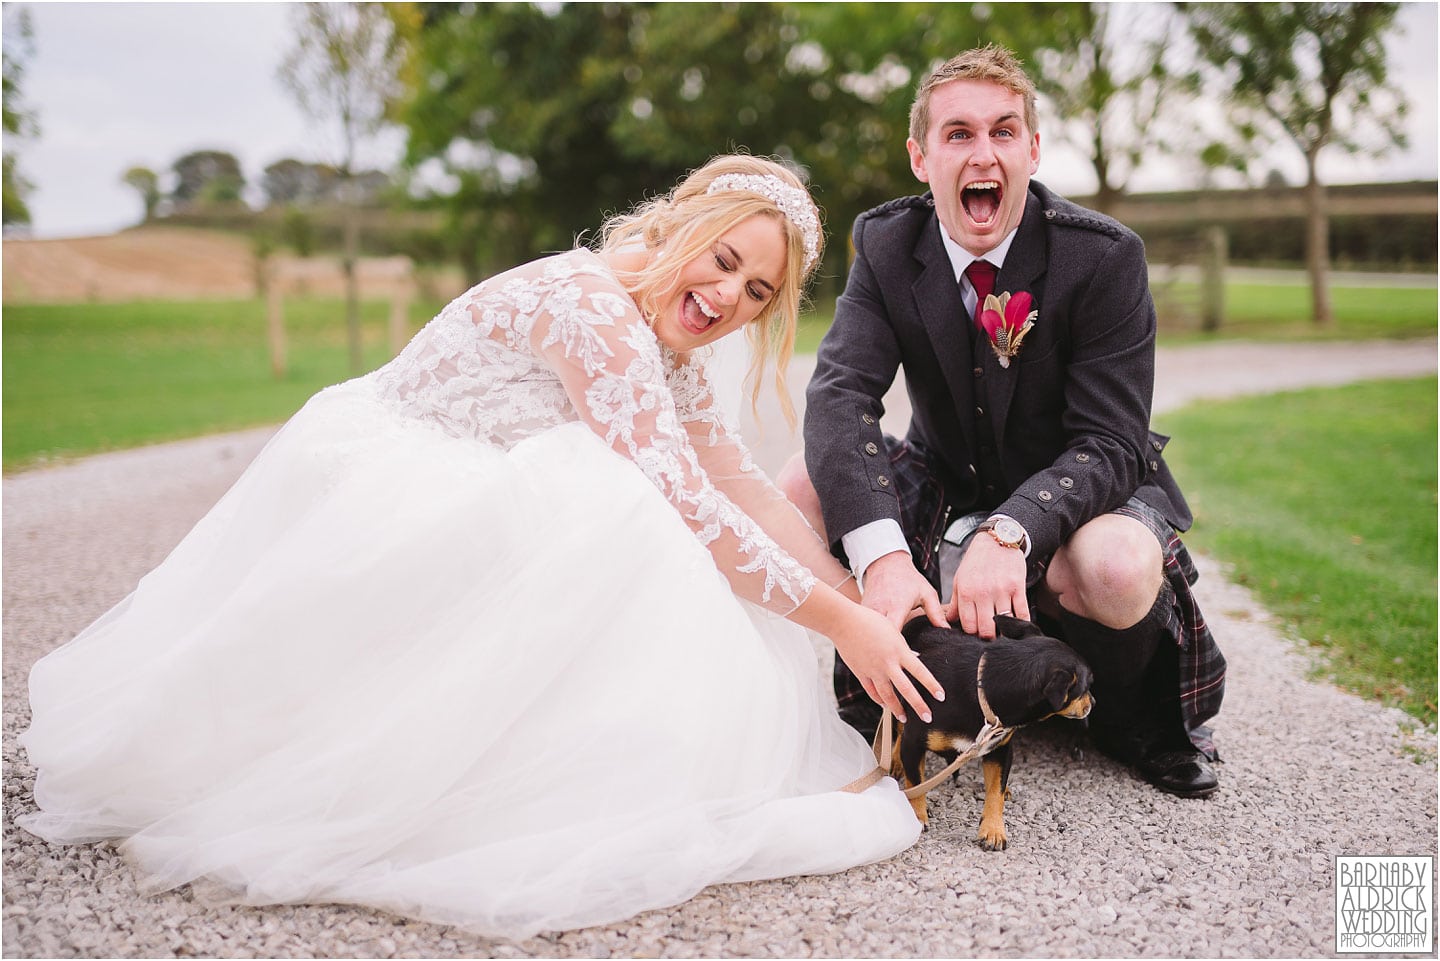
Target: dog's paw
x=921, y=809
x=991, y=836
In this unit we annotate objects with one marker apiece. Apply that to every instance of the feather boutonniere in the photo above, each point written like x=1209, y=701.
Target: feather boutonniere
x=1006, y=319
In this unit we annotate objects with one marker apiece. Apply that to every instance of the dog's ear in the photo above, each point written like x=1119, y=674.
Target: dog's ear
x=1015, y=628
x=1058, y=687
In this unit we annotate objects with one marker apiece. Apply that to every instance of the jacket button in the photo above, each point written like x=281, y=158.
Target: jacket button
x=1045, y=495
x=1066, y=483
x=1083, y=457
x=979, y=371
x=1154, y=465
x=870, y=448
x=1049, y=215
x=973, y=471
x=867, y=419
x=1157, y=445
x=883, y=481
x=979, y=412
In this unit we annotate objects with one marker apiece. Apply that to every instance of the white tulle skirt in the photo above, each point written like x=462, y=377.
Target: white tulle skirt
x=504, y=690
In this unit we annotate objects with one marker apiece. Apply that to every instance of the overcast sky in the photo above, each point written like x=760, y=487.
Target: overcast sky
x=117, y=85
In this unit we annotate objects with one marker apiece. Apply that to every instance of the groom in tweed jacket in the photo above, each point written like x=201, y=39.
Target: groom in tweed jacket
x=1029, y=480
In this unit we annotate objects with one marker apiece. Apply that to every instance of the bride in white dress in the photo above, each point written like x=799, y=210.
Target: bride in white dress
x=509, y=633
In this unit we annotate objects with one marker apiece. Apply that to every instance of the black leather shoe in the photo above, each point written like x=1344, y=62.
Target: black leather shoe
x=1185, y=773
x=1176, y=769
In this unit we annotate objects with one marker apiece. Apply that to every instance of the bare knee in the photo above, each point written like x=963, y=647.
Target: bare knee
x=1110, y=571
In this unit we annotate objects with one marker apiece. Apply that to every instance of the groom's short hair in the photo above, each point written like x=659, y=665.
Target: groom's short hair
x=992, y=63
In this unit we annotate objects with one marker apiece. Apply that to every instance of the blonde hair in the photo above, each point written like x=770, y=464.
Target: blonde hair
x=992, y=63
x=685, y=223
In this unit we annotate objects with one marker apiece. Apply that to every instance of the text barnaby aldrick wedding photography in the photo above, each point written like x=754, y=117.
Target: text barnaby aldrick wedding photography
x=1384, y=904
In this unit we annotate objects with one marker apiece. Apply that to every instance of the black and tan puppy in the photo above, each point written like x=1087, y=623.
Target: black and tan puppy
x=1026, y=677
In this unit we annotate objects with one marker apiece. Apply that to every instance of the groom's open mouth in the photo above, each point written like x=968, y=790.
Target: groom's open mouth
x=981, y=201
x=696, y=313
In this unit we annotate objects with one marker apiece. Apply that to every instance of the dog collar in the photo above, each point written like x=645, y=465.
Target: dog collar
x=991, y=718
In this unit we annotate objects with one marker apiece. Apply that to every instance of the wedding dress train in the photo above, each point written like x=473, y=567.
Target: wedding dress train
x=457, y=647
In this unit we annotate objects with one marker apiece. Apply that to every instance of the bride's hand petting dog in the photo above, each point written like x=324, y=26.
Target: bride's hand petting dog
x=1027, y=676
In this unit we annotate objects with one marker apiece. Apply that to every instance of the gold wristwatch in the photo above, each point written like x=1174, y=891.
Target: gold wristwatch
x=1007, y=532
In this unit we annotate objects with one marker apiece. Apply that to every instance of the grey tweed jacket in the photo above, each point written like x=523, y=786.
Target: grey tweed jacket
x=1060, y=436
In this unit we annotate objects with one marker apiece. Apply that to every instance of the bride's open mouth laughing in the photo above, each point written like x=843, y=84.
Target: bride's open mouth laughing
x=696, y=313
x=981, y=201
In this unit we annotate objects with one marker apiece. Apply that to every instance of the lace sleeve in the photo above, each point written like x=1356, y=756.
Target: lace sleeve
x=727, y=461
x=588, y=330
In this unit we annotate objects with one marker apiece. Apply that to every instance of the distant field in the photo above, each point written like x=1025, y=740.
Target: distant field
x=1256, y=311
x=85, y=378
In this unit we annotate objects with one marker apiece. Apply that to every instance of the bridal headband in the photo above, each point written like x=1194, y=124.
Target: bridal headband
x=793, y=202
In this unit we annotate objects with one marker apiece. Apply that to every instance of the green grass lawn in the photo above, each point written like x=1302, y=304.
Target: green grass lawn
x=1324, y=504
x=85, y=378
x=1253, y=312
x=1324, y=501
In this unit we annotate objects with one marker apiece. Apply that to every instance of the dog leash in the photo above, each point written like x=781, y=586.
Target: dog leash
x=992, y=735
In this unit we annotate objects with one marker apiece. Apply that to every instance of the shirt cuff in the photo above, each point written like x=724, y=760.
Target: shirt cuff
x=870, y=542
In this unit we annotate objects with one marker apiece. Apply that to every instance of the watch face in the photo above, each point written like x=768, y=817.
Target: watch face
x=1009, y=531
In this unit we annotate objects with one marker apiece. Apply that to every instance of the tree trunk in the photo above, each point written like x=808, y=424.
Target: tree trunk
x=352, y=283
x=1317, y=244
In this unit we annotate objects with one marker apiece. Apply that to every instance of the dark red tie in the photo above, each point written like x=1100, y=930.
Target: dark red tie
x=981, y=274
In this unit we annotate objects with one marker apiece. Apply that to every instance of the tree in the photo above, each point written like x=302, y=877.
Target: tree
x=146, y=183
x=291, y=181
x=549, y=117
x=19, y=120
x=344, y=69
x=197, y=174
x=1317, y=72
x=1107, y=69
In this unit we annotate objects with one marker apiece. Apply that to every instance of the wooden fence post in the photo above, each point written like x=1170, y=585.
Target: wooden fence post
x=400, y=311
x=1213, y=258
x=275, y=321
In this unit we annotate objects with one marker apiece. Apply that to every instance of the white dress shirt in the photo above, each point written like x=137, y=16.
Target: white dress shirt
x=869, y=542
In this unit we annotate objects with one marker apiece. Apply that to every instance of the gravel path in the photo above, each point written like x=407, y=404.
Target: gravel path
x=1099, y=864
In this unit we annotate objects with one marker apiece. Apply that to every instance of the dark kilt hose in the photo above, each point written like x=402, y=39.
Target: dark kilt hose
x=1057, y=437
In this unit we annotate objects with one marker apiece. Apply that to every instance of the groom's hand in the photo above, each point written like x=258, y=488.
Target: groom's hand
x=989, y=581
x=895, y=588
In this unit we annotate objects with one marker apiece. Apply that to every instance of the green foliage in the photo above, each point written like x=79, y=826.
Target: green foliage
x=1303, y=65
x=1119, y=96
x=344, y=67
x=298, y=230
x=85, y=378
x=146, y=183
x=19, y=120
x=197, y=174
x=1324, y=504
x=552, y=117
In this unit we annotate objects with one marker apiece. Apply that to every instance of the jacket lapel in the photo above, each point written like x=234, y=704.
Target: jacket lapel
x=1024, y=268
x=937, y=299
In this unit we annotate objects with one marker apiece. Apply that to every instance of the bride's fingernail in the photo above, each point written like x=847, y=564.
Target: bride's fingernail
x=939, y=694
x=925, y=717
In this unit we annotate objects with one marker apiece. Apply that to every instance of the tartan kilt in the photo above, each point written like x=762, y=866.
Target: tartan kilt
x=923, y=517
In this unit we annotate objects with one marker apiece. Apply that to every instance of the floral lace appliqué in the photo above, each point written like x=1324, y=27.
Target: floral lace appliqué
x=560, y=340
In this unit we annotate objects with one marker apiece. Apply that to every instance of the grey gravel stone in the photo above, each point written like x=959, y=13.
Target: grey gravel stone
x=1099, y=864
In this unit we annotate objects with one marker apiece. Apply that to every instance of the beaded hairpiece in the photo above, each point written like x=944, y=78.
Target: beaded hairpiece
x=793, y=202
